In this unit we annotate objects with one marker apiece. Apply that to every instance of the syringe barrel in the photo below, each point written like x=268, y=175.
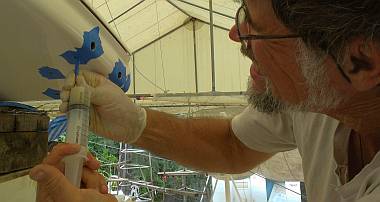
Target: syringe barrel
x=77, y=132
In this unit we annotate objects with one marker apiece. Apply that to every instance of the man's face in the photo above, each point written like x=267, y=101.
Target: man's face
x=280, y=66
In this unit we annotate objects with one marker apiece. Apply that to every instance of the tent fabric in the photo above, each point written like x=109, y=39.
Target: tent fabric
x=139, y=22
x=170, y=44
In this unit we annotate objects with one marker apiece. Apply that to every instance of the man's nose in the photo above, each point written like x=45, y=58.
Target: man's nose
x=234, y=36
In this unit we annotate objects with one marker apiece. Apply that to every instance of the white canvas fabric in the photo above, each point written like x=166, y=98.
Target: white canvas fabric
x=170, y=45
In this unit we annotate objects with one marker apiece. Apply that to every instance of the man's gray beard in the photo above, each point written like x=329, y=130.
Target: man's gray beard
x=264, y=101
x=321, y=95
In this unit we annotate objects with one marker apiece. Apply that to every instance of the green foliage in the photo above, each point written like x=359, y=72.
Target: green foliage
x=106, y=151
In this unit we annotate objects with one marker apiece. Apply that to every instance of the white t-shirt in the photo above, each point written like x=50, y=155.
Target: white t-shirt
x=323, y=145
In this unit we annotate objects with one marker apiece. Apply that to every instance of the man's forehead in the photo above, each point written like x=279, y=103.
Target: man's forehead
x=260, y=12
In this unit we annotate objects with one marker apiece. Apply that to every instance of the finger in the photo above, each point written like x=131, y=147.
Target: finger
x=92, y=163
x=69, y=82
x=81, y=80
x=59, y=152
x=64, y=107
x=64, y=95
x=92, y=195
x=94, y=180
x=54, y=183
x=92, y=79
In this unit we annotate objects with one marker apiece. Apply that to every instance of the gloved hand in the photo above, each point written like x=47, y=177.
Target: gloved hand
x=54, y=187
x=113, y=114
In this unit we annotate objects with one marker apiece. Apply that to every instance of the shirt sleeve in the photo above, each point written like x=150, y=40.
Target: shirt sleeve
x=370, y=188
x=268, y=133
x=375, y=196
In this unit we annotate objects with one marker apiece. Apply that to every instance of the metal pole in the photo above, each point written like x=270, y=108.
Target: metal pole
x=134, y=74
x=213, y=190
x=209, y=178
x=205, y=9
x=212, y=46
x=227, y=189
x=236, y=189
x=184, y=187
x=151, y=174
x=134, y=6
x=179, y=8
x=150, y=165
x=162, y=36
x=195, y=58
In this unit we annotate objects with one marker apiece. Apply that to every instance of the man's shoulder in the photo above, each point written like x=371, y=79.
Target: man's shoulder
x=311, y=117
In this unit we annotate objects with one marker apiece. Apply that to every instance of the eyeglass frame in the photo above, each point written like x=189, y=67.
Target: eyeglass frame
x=253, y=37
x=256, y=36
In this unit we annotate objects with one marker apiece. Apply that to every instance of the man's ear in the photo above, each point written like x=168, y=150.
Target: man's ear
x=362, y=64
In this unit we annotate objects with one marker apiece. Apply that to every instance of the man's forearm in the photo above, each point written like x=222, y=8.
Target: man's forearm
x=204, y=144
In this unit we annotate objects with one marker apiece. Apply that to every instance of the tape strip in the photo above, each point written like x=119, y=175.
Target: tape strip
x=52, y=93
x=51, y=73
x=91, y=48
x=127, y=83
x=118, y=74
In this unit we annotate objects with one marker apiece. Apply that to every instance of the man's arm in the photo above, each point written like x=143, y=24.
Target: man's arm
x=206, y=144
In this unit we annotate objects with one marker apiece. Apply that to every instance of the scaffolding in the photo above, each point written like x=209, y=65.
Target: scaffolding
x=125, y=182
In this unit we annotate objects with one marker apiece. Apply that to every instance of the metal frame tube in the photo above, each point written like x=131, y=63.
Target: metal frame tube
x=166, y=34
x=203, y=8
x=195, y=58
x=227, y=190
x=125, y=12
x=212, y=47
x=177, y=7
x=134, y=74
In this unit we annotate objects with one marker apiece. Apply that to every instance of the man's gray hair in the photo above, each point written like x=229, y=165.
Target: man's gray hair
x=329, y=25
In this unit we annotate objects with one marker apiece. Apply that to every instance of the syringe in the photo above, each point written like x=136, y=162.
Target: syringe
x=77, y=132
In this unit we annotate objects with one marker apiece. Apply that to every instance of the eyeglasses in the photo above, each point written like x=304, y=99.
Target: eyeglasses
x=244, y=29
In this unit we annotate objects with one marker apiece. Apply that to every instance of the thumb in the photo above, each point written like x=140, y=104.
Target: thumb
x=54, y=183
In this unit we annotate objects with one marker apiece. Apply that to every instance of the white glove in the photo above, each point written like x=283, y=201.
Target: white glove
x=113, y=114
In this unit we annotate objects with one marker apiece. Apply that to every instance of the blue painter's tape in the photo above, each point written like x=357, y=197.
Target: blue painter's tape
x=52, y=93
x=127, y=83
x=118, y=75
x=70, y=56
x=51, y=73
x=91, y=48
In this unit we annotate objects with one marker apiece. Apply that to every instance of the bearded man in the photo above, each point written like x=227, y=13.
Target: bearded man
x=309, y=58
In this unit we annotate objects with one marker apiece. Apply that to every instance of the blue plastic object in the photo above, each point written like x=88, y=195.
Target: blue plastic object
x=19, y=106
x=51, y=73
x=57, y=127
